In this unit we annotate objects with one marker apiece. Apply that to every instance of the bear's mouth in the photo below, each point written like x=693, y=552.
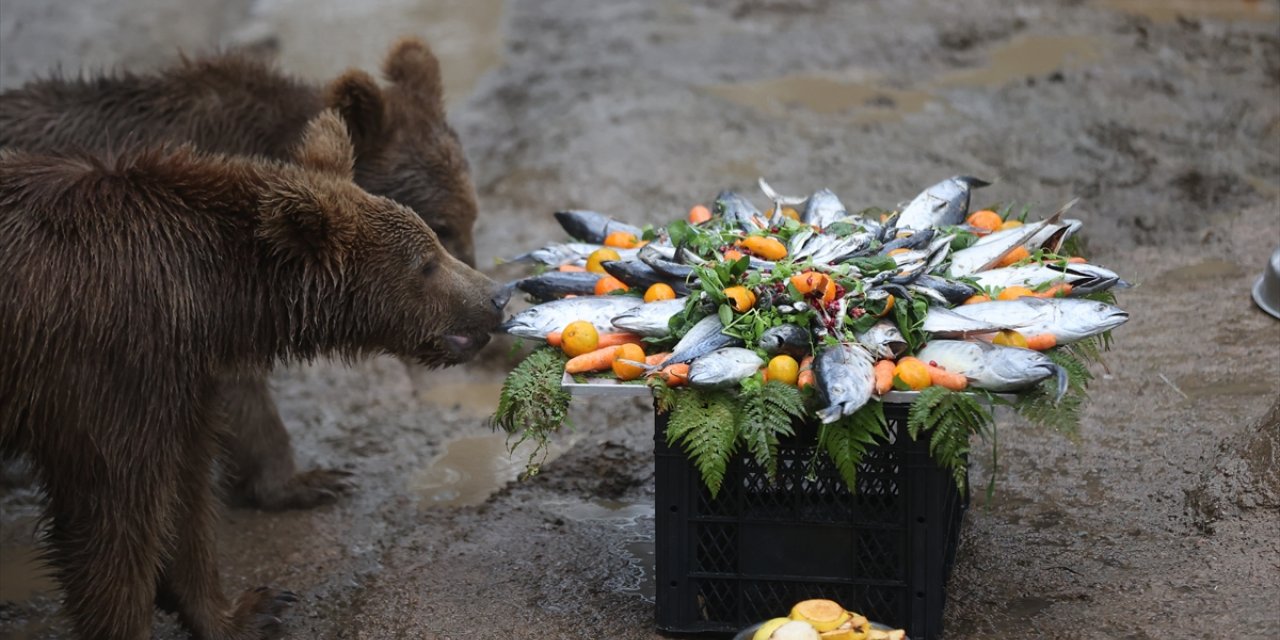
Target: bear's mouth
x=461, y=345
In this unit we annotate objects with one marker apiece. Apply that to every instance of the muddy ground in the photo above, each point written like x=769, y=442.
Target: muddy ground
x=1160, y=521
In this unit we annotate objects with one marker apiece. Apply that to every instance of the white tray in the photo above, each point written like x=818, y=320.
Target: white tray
x=611, y=387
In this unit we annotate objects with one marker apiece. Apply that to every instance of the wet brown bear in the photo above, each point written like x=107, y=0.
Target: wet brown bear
x=130, y=284
x=405, y=150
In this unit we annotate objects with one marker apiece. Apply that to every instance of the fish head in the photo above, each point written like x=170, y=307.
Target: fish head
x=1090, y=318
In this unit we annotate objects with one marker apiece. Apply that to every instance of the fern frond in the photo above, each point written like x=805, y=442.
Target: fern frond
x=950, y=419
x=847, y=440
x=532, y=404
x=767, y=414
x=705, y=424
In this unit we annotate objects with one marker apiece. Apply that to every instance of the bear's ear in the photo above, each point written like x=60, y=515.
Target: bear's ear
x=356, y=97
x=412, y=65
x=298, y=222
x=326, y=147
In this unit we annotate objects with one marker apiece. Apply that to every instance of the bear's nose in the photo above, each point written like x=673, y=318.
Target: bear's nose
x=502, y=296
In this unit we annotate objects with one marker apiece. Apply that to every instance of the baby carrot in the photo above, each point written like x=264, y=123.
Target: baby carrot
x=597, y=360
x=571, y=268
x=944, y=378
x=1042, y=342
x=1060, y=290
x=614, y=339
x=884, y=376
x=806, y=377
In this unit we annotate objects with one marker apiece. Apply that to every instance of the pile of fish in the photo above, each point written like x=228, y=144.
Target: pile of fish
x=927, y=250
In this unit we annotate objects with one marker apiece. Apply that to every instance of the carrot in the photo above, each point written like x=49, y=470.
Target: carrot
x=615, y=339
x=657, y=358
x=571, y=268
x=884, y=376
x=1076, y=260
x=1014, y=256
x=597, y=360
x=943, y=378
x=1060, y=290
x=806, y=377
x=676, y=374
x=1042, y=342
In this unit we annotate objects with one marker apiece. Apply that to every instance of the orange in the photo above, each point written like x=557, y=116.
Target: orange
x=609, y=283
x=1010, y=224
x=659, y=291
x=1014, y=256
x=986, y=220
x=1010, y=338
x=621, y=240
x=810, y=281
x=598, y=256
x=912, y=372
x=578, y=338
x=888, y=306
x=895, y=252
x=625, y=371
x=975, y=299
x=1014, y=292
x=765, y=247
x=699, y=214
x=784, y=369
x=732, y=255
x=740, y=298
x=788, y=212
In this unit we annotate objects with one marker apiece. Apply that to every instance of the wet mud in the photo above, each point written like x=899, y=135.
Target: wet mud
x=1164, y=117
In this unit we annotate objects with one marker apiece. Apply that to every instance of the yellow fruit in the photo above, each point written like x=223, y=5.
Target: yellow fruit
x=625, y=371
x=784, y=369
x=609, y=283
x=894, y=252
x=659, y=291
x=740, y=298
x=1014, y=292
x=788, y=212
x=598, y=256
x=986, y=220
x=1010, y=339
x=824, y=615
x=1014, y=256
x=913, y=373
x=766, y=247
x=621, y=239
x=766, y=630
x=578, y=338
x=1010, y=224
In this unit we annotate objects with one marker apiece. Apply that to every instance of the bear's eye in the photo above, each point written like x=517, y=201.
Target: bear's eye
x=429, y=267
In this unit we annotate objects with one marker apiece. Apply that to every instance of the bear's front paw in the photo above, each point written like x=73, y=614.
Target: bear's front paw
x=302, y=491
x=258, y=613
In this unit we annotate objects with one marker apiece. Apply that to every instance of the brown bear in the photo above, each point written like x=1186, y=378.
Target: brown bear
x=130, y=284
x=405, y=150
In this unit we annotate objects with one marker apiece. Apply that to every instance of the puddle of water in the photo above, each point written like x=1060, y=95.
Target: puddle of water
x=1028, y=55
x=1169, y=10
x=464, y=34
x=633, y=542
x=23, y=574
x=473, y=468
x=1207, y=270
x=863, y=101
x=478, y=399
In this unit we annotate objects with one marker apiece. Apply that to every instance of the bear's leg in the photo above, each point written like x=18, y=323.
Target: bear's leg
x=189, y=583
x=258, y=457
x=110, y=513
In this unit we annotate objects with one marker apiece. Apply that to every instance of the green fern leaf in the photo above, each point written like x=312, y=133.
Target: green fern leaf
x=704, y=423
x=847, y=440
x=768, y=412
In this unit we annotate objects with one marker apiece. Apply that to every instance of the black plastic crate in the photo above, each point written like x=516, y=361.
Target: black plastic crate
x=759, y=547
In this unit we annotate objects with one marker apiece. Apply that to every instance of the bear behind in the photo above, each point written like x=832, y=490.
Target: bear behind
x=130, y=284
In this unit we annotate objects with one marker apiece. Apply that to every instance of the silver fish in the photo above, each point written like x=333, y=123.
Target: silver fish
x=822, y=209
x=1083, y=278
x=883, y=339
x=1052, y=237
x=555, y=255
x=737, y=210
x=589, y=226
x=845, y=376
x=993, y=367
x=558, y=284
x=953, y=291
x=785, y=338
x=537, y=322
x=1067, y=319
x=943, y=204
x=983, y=256
x=703, y=338
x=946, y=323
x=724, y=367
x=635, y=273
x=651, y=319
x=917, y=240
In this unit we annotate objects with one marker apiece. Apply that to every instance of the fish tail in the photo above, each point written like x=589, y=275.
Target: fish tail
x=972, y=182
x=1062, y=383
